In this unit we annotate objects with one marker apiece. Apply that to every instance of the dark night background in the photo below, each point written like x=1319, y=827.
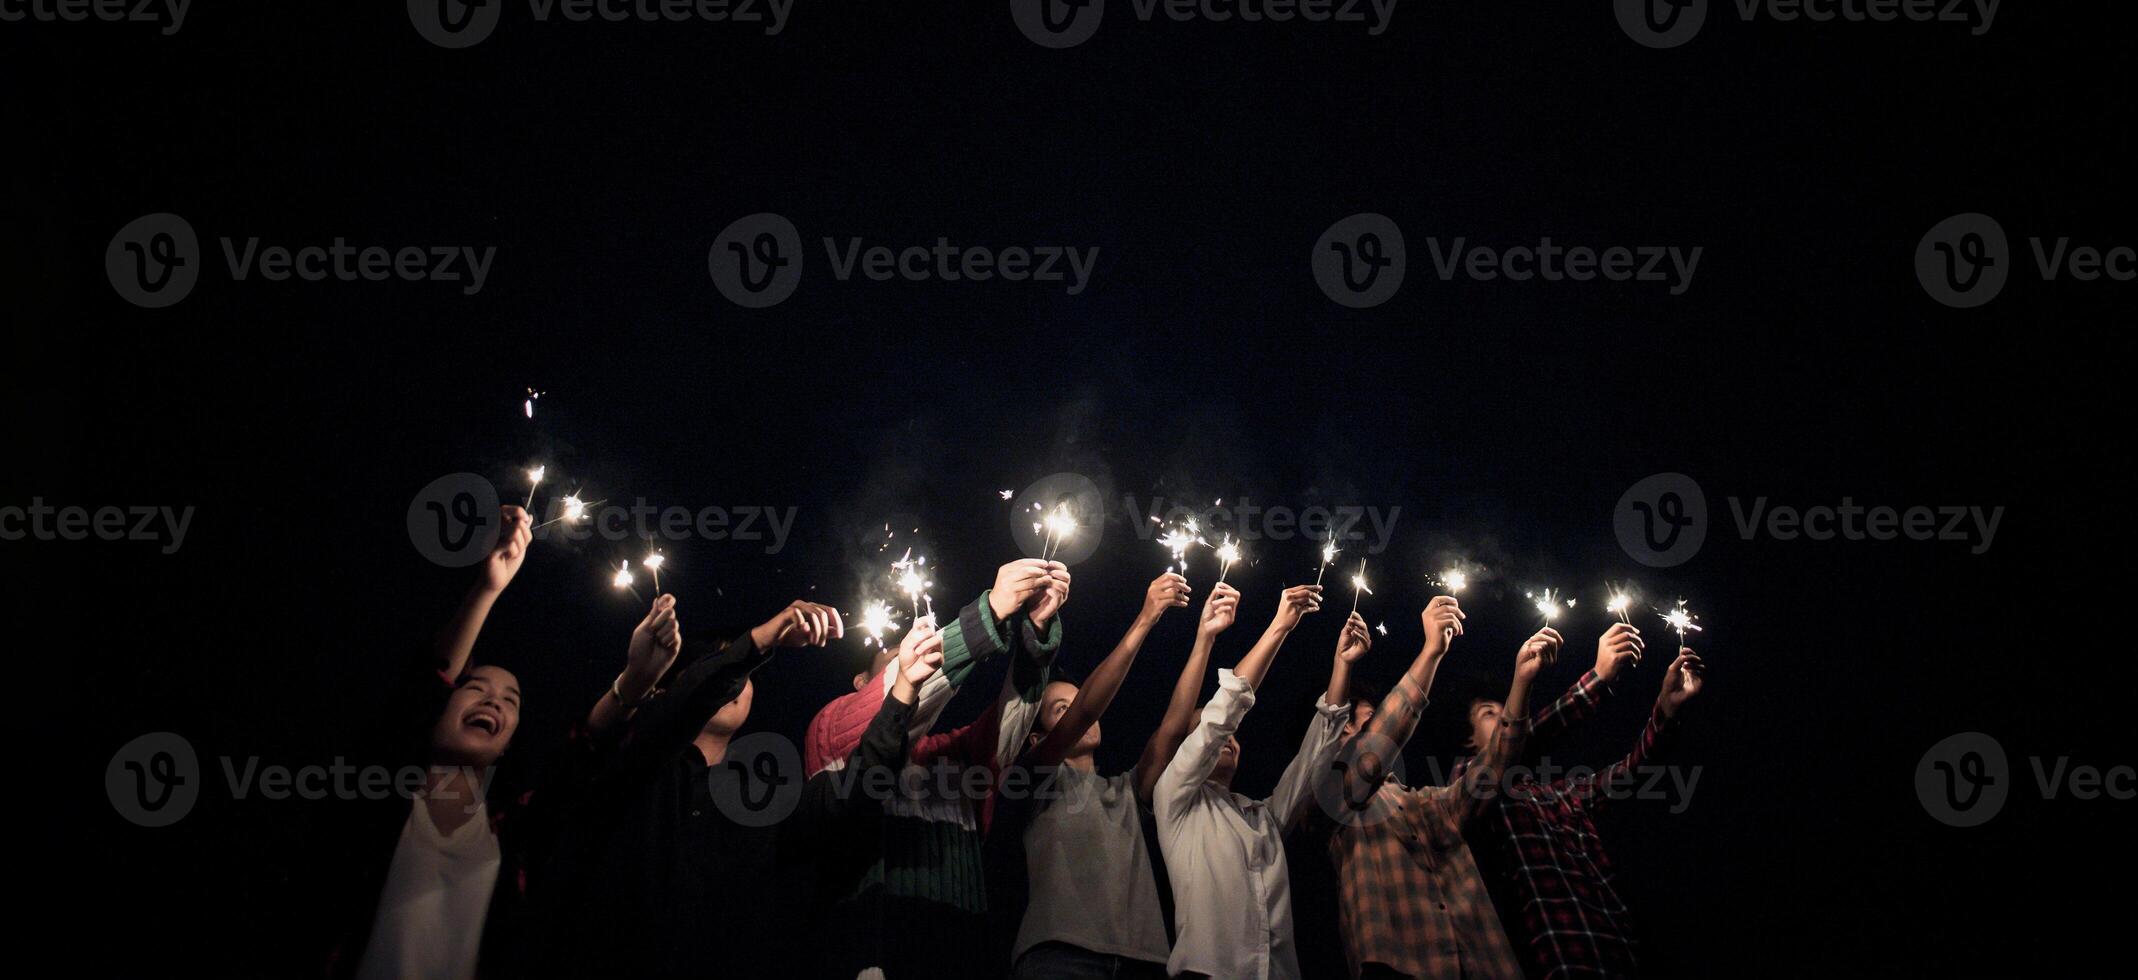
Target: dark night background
x=1804, y=364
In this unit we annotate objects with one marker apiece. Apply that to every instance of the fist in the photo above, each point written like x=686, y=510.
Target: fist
x=1296, y=602
x=1168, y=591
x=515, y=531
x=1681, y=681
x=1539, y=652
x=1620, y=647
x=801, y=624
x=1442, y=619
x=1354, y=641
x=1220, y=610
x=1016, y=584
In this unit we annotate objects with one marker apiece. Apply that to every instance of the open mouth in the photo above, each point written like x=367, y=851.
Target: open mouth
x=486, y=720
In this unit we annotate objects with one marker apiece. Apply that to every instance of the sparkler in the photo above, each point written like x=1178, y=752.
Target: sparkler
x=1060, y=524
x=1454, y=580
x=1227, y=553
x=876, y=620
x=1681, y=619
x=1328, y=556
x=623, y=580
x=653, y=563
x=534, y=479
x=1548, y=604
x=1178, y=541
x=913, y=582
x=1358, y=585
x=528, y=405
x=574, y=511
x=1618, y=605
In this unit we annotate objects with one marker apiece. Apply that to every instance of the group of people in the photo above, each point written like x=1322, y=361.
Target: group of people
x=996, y=848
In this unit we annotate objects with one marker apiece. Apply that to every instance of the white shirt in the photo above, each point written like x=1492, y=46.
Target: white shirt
x=1090, y=872
x=1232, y=904
x=430, y=919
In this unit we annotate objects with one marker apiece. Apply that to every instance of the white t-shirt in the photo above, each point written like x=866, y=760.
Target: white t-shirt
x=430, y=919
x=1090, y=872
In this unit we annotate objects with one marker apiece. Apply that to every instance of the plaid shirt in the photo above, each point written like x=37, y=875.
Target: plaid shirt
x=1572, y=921
x=1409, y=894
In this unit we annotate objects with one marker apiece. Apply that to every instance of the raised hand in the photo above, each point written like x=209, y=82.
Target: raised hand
x=1167, y=591
x=1052, y=596
x=918, y=660
x=654, y=644
x=1354, y=641
x=514, y=534
x=1537, y=653
x=801, y=624
x=1219, y=610
x=1016, y=584
x=1442, y=619
x=1681, y=682
x=1621, y=646
x=1296, y=602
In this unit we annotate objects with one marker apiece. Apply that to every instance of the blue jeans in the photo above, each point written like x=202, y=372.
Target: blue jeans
x=1061, y=961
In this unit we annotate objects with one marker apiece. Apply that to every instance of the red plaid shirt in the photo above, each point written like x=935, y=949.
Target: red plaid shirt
x=1570, y=919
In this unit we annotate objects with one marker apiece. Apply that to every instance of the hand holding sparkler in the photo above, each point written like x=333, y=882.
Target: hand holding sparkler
x=801, y=624
x=1219, y=610
x=1293, y=606
x=917, y=661
x=1538, y=652
x=1442, y=620
x=1015, y=585
x=1682, y=680
x=1619, y=647
x=1354, y=640
x=1052, y=597
x=513, y=537
x=1167, y=591
x=654, y=646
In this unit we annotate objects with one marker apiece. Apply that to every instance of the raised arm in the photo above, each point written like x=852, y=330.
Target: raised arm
x=833, y=801
x=1397, y=717
x=1167, y=591
x=1482, y=777
x=1681, y=681
x=456, y=642
x=1325, y=733
x=1619, y=648
x=654, y=646
x=1218, y=613
x=1176, y=786
x=1294, y=604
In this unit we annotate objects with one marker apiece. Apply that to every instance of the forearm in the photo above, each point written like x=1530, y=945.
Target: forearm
x=1252, y=667
x=1105, y=681
x=1393, y=723
x=1339, y=690
x=1179, y=716
x=456, y=642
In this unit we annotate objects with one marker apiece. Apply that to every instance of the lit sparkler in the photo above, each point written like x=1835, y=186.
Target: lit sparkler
x=1681, y=619
x=653, y=563
x=1227, y=553
x=1328, y=556
x=1358, y=586
x=534, y=479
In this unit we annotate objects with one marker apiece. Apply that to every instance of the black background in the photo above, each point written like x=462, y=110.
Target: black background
x=1804, y=364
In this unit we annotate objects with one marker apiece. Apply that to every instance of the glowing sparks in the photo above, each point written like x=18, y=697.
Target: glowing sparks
x=1618, y=605
x=913, y=581
x=534, y=479
x=1358, y=586
x=876, y=620
x=1328, y=557
x=1681, y=619
x=1381, y=628
x=574, y=511
x=528, y=405
x=652, y=563
x=1227, y=553
x=1178, y=541
x=1060, y=524
x=1007, y=494
x=622, y=579
x=1548, y=604
x=1454, y=580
